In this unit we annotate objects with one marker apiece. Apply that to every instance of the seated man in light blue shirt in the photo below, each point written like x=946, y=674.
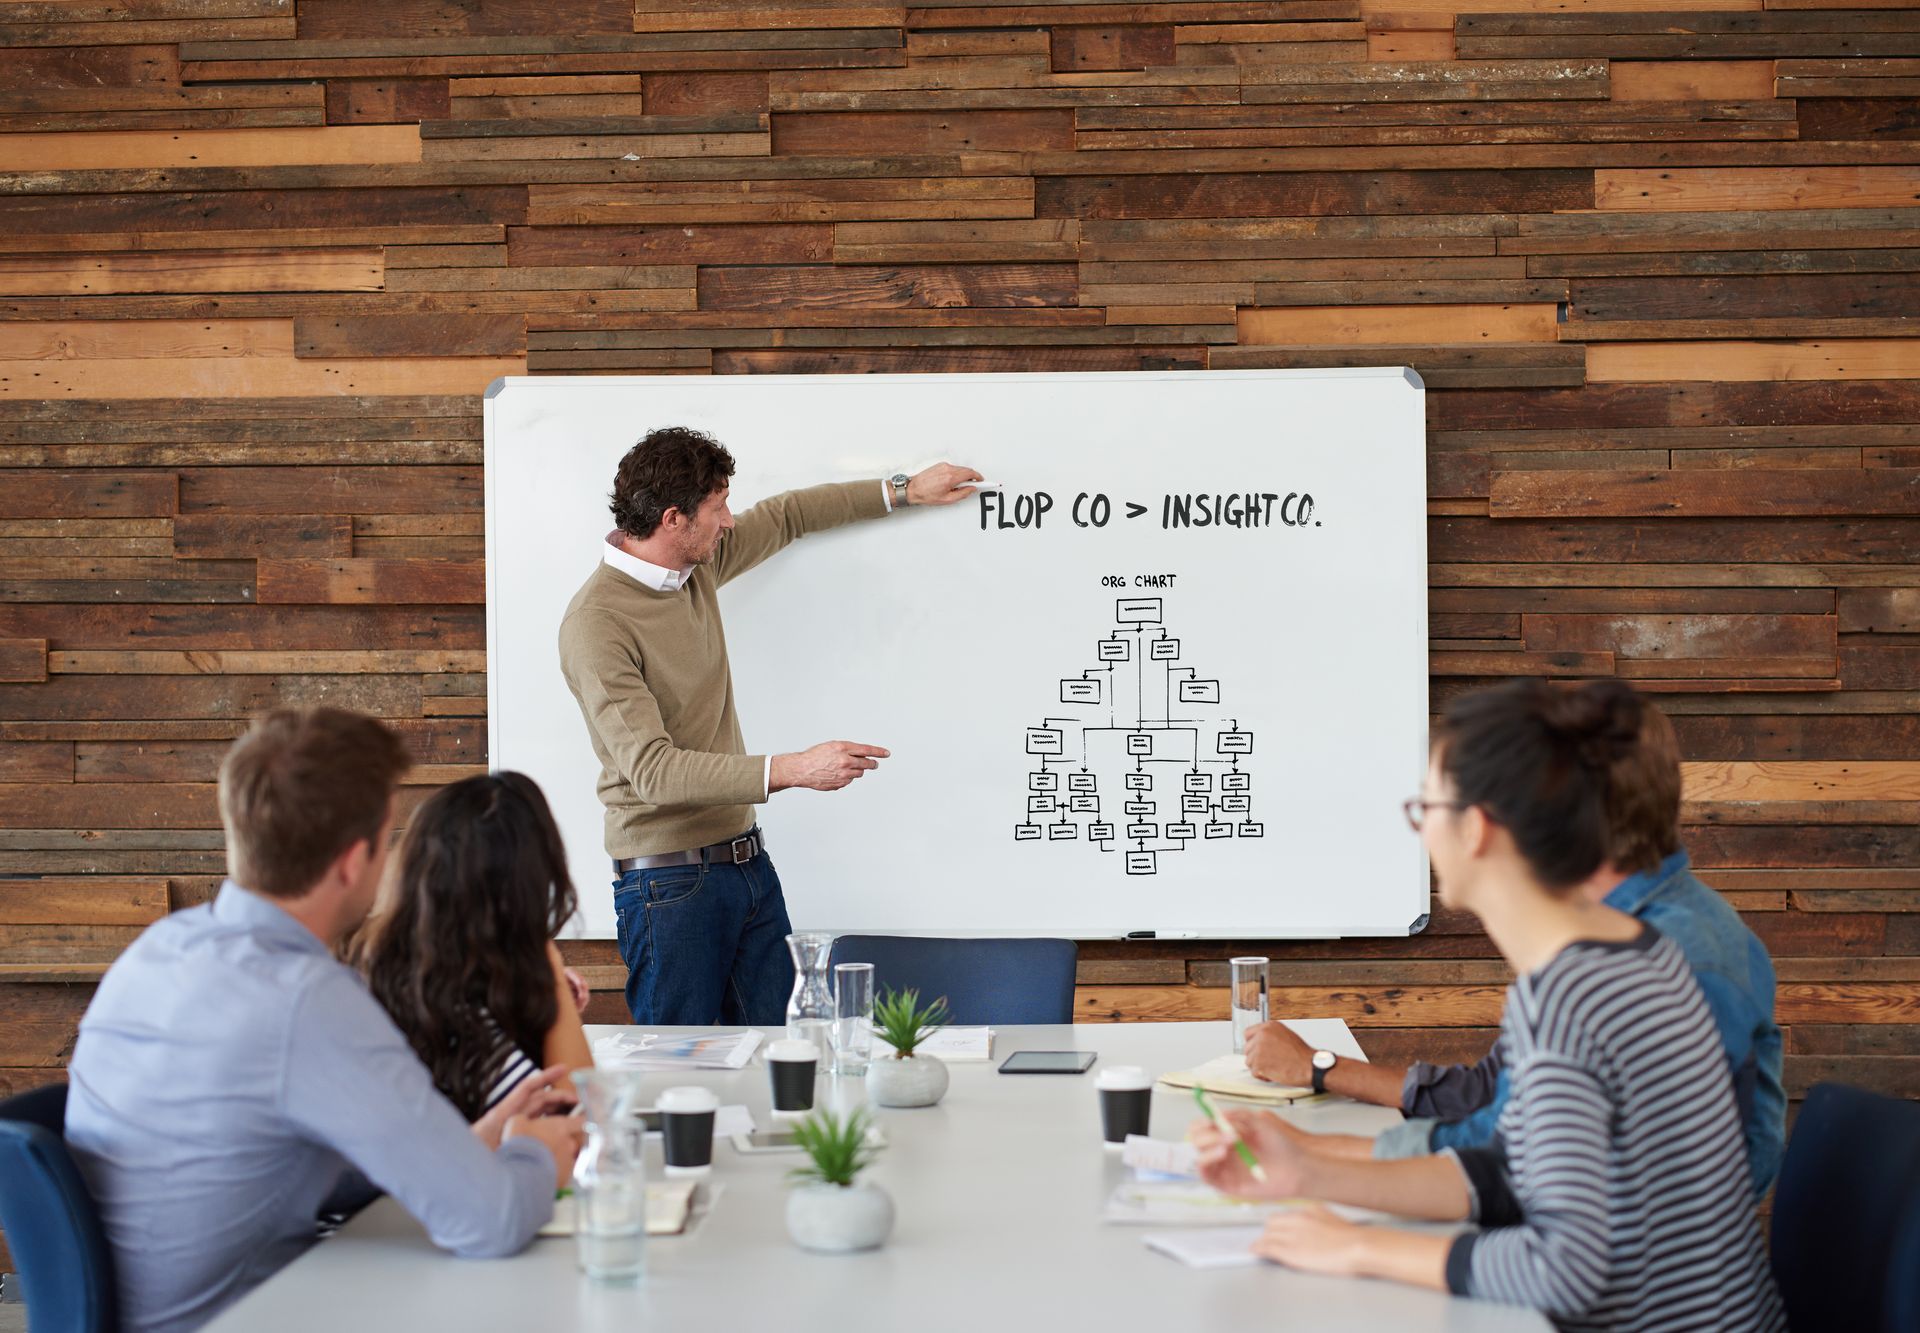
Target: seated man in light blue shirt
x=1457, y=1106
x=230, y=1072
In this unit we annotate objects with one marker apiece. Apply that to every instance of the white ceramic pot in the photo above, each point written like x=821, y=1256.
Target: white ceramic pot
x=835, y=1219
x=916, y=1080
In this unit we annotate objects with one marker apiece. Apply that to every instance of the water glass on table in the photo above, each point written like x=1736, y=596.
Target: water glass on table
x=852, y=1017
x=1248, y=988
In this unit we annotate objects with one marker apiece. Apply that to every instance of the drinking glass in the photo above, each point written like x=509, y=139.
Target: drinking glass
x=1249, y=991
x=852, y=1017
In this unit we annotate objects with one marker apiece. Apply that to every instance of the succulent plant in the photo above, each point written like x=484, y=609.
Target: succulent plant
x=901, y=1021
x=837, y=1149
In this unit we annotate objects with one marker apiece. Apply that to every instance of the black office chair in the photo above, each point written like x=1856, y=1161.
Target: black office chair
x=984, y=980
x=66, y=1269
x=1846, y=1214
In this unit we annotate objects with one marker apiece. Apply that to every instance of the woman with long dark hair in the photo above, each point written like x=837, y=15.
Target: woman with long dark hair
x=1615, y=1193
x=461, y=950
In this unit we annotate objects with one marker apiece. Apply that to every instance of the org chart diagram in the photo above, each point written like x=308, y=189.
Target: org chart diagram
x=1142, y=764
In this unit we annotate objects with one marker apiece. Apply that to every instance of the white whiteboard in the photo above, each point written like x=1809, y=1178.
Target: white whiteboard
x=1277, y=734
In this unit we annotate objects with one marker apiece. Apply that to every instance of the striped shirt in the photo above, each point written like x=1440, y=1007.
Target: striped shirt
x=1616, y=1193
x=510, y=1064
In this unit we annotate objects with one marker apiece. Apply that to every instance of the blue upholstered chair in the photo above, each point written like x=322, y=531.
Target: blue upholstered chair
x=1846, y=1214
x=985, y=981
x=66, y=1269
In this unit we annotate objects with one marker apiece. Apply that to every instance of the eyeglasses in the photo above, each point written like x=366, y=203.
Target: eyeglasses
x=1416, y=810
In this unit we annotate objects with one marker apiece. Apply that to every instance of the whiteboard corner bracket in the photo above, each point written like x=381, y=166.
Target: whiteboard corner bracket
x=1419, y=924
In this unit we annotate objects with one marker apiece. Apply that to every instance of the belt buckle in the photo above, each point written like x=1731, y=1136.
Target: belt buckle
x=743, y=849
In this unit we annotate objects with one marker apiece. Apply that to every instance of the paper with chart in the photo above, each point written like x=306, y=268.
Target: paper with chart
x=1169, y=675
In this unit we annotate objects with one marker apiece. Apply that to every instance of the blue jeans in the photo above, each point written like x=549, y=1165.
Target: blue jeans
x=705, y=944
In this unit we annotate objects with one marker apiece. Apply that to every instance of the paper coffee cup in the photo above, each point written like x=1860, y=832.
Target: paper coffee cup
x=686, y=1128
x=792, y=1066
x=1126, y=1103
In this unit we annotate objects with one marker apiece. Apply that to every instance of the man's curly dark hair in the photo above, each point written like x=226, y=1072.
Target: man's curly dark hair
x=674, y=467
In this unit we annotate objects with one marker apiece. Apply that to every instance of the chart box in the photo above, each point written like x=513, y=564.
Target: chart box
x=1112, y=650
x=1142, y=832
x=1252, y=830
x=1140, y=863
x=1045, y=740
x=1236, y=742
x=1100, y=832
x=1181, y=831
x=1079, y=691
x=1062, y=832
x=1040, y=805
x=1193, y=805
x=1236, y=805
x=1080, y=782
x=1219, y=830
x=1164, y=650
x=1138, y=807
x=1139, y=782
x=1084, y=805
x=1043, y=781
x=1137, y=611
x=1199, y=691
x=1139, y=742
x=1026, y=832
x=1198, y=782
x=1236, y=782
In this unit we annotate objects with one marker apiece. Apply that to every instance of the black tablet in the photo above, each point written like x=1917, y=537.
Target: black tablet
x=1048, y=1062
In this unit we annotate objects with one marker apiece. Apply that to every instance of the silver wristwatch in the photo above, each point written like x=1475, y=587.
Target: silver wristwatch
x=899, y=483
x=1323, y=1063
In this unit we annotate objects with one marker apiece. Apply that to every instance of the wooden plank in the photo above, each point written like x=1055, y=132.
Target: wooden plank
x=1510, y=663
x=415, y=335
x=1400, y=324
x=763, y=244
x=1691, y=80
x=1075, y=50
x=140, y=32
x=225, y=698
x=397, y=102
x=1309, y=194
x=263, y=210
x=94, y=901
x=243, y=376
x=23, y=659
x=303, y=490
x=36, y=761
x=729, y=287
x=1700, y=494
x=1467, y=367
x=109, y=805
x=90, y=66
x=946, y=360
x=1842, y=359
x=202, y=628
x=1644, y=637
x=866, y=134
x=781, y=201
x=1879, y=611
x=147, y=662
x=1815, y=781
x=95, y=150
x=429, y=582
x=704, y=92
x=1036, y=241
x=1669, y=36
x=1849, y=300
x=138, y=338
x=227, y=537
x=95, y=494
x=1750, y=188
x=351, y=270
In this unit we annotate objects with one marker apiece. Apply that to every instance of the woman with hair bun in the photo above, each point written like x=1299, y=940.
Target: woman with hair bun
x=461, y=953
x=1615, y=1194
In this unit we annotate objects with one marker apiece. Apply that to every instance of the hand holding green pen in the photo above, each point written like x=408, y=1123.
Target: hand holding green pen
x=1227, y=1131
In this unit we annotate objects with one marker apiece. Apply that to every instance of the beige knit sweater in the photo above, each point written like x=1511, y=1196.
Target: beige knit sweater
x=649, y=670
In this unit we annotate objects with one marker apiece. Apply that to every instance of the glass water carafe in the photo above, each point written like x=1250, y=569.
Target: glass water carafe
x=810, y=1011
x=610, y=1179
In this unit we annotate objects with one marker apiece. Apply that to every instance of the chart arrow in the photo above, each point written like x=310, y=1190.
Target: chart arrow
x=1134, y=510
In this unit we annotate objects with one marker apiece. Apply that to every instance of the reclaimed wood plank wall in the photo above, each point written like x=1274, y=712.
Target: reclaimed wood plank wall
x=1655, y=259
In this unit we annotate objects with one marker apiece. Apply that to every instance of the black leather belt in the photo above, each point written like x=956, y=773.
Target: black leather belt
x=734, y=851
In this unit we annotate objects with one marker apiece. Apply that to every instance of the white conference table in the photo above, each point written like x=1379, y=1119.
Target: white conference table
x=998, y=1192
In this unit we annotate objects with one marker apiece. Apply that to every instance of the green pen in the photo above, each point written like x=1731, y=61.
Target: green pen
x=1239, y=1145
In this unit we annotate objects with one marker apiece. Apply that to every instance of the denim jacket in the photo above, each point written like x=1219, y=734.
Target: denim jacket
x=1456, y=1106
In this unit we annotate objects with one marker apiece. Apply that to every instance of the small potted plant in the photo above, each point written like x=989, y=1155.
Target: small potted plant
x=830, y=1211
x=906, y=1078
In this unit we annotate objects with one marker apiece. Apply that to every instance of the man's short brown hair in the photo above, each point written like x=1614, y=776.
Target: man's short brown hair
x=675, y=467
x=300, y=788
x=1643, y=796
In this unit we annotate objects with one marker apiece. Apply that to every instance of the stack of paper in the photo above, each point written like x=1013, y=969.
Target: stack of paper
x=959, y=1044
x=1159, y=1157
x=1216, y=1247
x=1183, y=1203
x=652, y=1050
x=1228, y=1076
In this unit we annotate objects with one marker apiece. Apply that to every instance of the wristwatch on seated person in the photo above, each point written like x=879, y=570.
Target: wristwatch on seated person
x=899, y=483
x=1323, y=1063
